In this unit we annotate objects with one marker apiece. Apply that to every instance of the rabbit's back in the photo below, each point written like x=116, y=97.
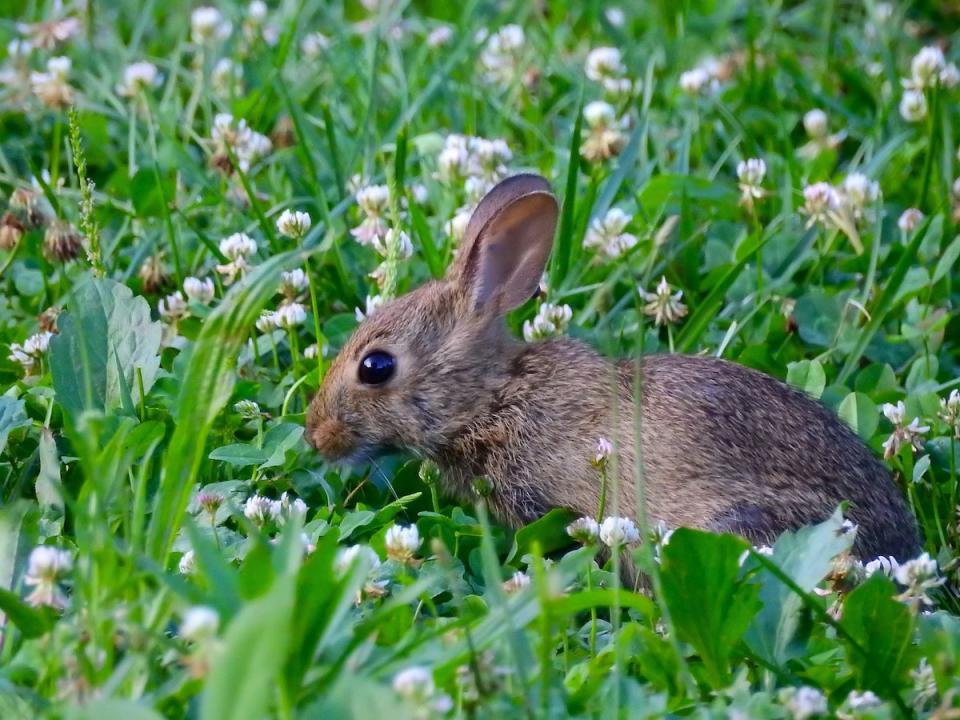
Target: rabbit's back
x=731, y=449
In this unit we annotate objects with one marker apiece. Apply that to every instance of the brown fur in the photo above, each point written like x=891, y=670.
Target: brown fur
x=721, y=446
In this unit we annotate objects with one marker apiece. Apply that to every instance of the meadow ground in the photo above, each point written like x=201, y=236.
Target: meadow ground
x=199, y=206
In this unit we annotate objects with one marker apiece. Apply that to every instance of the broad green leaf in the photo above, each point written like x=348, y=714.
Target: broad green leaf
x=32, y=622
x=549, y=531
x=940, y=644
x=241, y=681
x=277, y=440
x=807, y=375
x=806, y=557
x=710, y=605
x=239, y=455
x=13, y=544
x=882, y=628
x=947, y=260
x=860, y=413
x=12, y=416
x=48, y=487
x=354, y=520
x=105, y=330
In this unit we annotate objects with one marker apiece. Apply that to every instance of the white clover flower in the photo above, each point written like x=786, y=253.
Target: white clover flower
x=200, y=624
x=866, y=700
x=604, y=451
x=926, y=66
x=615, y=16
x=918, y=576
x=188, y=563
x=501, y=54
x=46, y=567
x=267, y=321
x=374, y=202
x=604, y=63
x=599, y=114
x=820, y=201
x=551, y=320
x=290, y=508
x=950, y=412
x=396, y=242
x=31, y=350
x=585, y=530
x=910, y=220
x=903, y=433
x=373, y=302
x=456, y=227
x=311, y=352
x=924, y=684
x=257, y=11
x=207, y=23
x=696, y=81
x=361, y=554
x=173, y=307
x=289, y=315
x=439, y=36
x=52, y=87
x=293, y=224
x=913, y=106
x=138, y=77
x=247, y=409
x=663, y=305
x=816, y=123
x=402, y=543
x=750, y=173
x=415, y=684
x=803, y=702
x=293, y=282
x=617, y=531
x=226, y=76
x=885, y=565
x=859, y=191
x=234, y=135
x=198, y=290
x=238, y=245
x=19, y=48
x=950, y=76
x=261, y=511
x=315, y=43
x=517, y=582
x=608, y=234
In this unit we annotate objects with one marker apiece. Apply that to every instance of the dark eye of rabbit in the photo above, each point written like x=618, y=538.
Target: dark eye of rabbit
x=376, y=368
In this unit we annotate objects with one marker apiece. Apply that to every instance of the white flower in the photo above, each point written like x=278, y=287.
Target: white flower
x=267, y=321
x=225, y=76
x=260, y=510
x=246, y=144
x=517, y=582
x=617, y=531
x=750, y=173
x=604, y=451
x=291, y=507
x=820, y=200
x=52, y=87
x=402, y=542
x=913, y=106
x=200, y=623
x=439, y=36
x=886, y=565
x=903, y=433
x=363, y=555
x=663, y=305
x=310, y=352
x=456, y=227
x=31, y=350
x=173, y=307
x=501, y=54
x=803, y=702
x=137, y=77
x=859, y=191
x=188, y=563
x=924, y=684
x=394, y=242
x=373, y=201
x=289, y=315
x=862, y=700
x=599, y=114
x=238, y=245
x=926, y=66
x=46, y=567
x=247, y=409
x=551, y=320
x=615, y=16
x=207, y=23
x=910, y=220
x=293, y=282
x=373, y=302
x=314, y=43
x=584, y=530
x=608, y=235
x=696, y=81
x=603, y=63
x=19, y=48
x=816, y=123
x=294, y=224
x=198, y=290
x=950, y=76
x=257, y=11
x=918, y=576
x=950, y=412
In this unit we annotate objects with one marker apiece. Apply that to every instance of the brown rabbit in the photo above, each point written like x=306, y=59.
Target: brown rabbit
x=722, y=447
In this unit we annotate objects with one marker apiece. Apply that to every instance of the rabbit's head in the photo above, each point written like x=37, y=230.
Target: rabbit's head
x=419, y=369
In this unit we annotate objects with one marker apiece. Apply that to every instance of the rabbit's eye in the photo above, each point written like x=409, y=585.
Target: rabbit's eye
x=376, y=368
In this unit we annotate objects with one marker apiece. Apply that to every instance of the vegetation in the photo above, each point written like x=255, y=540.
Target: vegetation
x=200, y=204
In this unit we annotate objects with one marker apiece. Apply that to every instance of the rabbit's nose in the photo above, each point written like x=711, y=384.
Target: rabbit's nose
x=331, y=437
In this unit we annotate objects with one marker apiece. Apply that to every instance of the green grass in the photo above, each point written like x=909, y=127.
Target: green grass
x=123, y=444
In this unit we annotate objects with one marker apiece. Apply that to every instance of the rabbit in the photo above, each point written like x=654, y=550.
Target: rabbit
x=721, y=447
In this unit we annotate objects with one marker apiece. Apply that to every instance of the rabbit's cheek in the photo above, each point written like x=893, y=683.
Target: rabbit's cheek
x=332, y=438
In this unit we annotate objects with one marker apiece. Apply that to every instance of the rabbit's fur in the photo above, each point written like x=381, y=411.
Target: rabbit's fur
x=722, y=447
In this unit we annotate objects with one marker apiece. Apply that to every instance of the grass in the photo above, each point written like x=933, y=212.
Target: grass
x=134, y=443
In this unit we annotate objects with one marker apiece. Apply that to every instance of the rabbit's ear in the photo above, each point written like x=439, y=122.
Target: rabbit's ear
x=507, y=244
